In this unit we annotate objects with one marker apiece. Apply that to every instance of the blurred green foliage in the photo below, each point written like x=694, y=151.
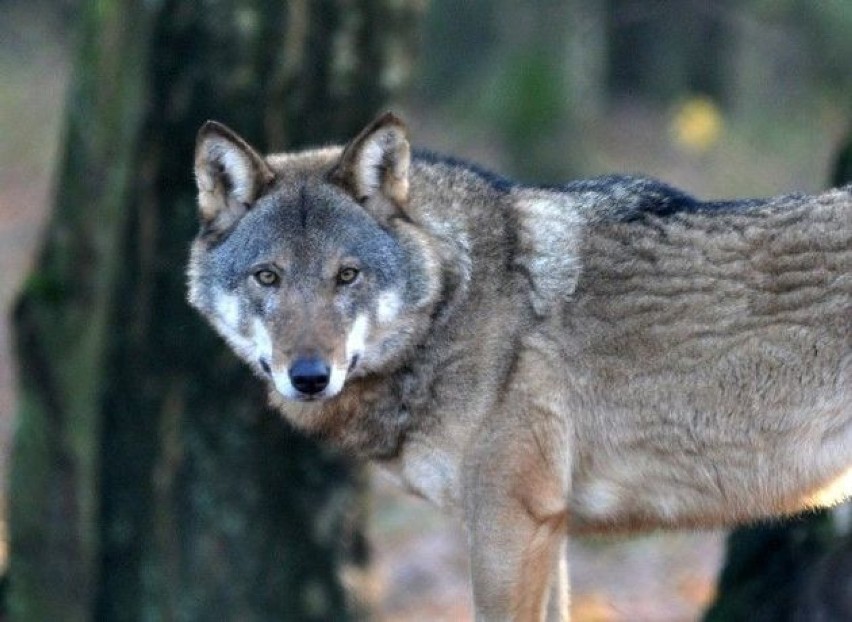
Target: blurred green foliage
x=550, y=84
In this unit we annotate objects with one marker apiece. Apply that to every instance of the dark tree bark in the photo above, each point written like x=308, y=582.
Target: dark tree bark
x=842, y=173
x=769, y=570
x=149, y=480
x=799, y=570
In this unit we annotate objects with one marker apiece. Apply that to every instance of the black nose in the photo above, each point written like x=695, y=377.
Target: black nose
x=309, y=375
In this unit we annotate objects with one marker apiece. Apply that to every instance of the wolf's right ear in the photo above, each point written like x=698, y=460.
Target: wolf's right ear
x=230, y=175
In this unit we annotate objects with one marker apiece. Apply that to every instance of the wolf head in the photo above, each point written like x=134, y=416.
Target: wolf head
x=308, y=264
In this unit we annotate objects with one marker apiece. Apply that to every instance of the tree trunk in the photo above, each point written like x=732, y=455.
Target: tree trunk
x=149, y=480
x=842, y=173
x=799, y=570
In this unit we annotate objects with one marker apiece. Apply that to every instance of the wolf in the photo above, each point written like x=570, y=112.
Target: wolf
x=603, y=356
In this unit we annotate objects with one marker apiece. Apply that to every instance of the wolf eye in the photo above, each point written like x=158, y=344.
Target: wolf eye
x=267, y=278
x=347, y=275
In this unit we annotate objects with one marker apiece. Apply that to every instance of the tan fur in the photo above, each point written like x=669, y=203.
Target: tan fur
x=576, y=364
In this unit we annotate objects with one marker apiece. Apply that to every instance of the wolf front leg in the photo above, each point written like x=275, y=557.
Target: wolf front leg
x=516, y=500
x=559, y=599
x=517, y=556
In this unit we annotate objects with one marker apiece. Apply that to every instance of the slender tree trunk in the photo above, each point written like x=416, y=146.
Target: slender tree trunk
x=799, y=570
x=842, y=173
x=149, y=481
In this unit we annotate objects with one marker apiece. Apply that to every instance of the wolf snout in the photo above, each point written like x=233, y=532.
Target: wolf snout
x=309, y=376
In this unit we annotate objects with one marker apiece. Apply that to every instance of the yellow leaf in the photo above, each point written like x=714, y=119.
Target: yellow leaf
x=697, y=124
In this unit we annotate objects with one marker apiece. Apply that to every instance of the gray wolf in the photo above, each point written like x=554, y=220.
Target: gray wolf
x=607, y=355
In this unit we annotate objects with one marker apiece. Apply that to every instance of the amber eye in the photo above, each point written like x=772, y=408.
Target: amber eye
x=347, y=275
x=267, y=278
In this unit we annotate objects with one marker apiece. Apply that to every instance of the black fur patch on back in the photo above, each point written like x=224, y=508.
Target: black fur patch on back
x=633, y=196
x=621, y=198
x=625, y=198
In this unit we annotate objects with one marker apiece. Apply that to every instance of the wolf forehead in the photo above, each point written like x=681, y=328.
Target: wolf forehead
x=309, y=223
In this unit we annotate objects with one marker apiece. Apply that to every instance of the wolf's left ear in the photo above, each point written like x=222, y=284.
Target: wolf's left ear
x=230, y=176
x=376, y=162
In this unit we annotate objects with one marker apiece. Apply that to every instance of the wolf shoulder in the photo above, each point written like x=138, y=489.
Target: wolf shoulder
x=571, y=235
x=540, y=229
x=589, y=232
x=554, y=222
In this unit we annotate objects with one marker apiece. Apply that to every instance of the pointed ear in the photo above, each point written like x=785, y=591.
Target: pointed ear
x=376, y=162
x=230, y=176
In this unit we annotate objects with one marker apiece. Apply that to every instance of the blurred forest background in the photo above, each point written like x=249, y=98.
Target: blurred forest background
x=723, y=98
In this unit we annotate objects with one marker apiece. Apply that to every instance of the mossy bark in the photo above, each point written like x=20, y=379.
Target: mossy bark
x=149, y=480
